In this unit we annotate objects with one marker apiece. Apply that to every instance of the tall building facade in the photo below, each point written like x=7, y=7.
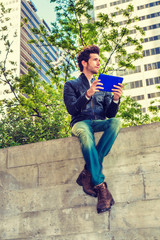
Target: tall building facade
x=24, y=52
x=141, y=82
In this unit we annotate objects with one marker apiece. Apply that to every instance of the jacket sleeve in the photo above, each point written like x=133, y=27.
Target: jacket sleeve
x=73, y=103
x=111, y=108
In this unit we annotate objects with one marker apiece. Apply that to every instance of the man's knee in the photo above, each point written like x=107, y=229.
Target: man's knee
x=115, y=123
x=83, y=132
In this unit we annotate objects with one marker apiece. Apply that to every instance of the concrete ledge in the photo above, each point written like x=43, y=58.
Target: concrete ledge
x=62, y=149
x=39, y=198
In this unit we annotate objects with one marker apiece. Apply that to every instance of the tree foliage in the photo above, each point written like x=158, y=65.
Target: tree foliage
x=76, y=28
x=131, y=114
x=36, y=111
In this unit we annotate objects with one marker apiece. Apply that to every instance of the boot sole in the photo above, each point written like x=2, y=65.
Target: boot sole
x=103, y=210
x=106, y=209
x=80, y=184
x=112, y=202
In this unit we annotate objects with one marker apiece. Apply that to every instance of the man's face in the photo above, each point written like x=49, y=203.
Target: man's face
x=93, y=63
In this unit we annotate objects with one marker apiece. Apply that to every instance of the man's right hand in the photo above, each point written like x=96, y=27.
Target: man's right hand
x=95, y=86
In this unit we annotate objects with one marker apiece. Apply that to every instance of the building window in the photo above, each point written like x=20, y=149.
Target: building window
x=129, y=71
x=150, y=39
x=119, y=2
x=136, y=84
x=22, y=72
x=132, y=31
x=116, y=13
x=143, y=110
x=24, y=65
x=157, y=80
x=30, y=13
x=152, y=51
x=153, y=15
x=154, y=95
x=138, y=98
x=148, y=5
x=151, y=66
x=101, y=7
x=151, y=27
x=25, y=47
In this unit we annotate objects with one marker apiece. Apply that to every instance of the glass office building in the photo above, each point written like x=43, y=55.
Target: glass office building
x=24, y=52
x=141, y=82
x=32, y=52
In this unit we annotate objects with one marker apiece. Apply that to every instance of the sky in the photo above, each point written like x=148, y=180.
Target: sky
x=45, y=10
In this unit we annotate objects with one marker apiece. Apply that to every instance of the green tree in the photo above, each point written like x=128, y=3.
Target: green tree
x=36, y=111
x=7, y=65
x=76, y=28
x=154, y=110
x=130, y=113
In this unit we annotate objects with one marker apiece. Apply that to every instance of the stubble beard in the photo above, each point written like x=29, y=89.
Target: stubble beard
x=94, y=72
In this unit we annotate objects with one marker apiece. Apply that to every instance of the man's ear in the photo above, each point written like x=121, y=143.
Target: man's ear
x=84, y=63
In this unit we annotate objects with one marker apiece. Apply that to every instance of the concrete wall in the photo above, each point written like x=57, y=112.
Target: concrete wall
x=39, y=198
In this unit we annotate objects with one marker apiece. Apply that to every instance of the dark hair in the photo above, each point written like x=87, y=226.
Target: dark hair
x=85, y=55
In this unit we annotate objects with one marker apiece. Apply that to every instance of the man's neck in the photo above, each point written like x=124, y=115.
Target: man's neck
x=88, y=75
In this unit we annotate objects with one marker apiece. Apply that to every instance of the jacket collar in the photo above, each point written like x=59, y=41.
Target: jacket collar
x=85, y=80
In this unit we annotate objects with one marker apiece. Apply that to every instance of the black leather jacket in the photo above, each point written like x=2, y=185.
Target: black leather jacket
x=100, y=105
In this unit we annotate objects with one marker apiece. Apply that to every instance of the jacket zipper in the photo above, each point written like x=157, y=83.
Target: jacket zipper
x=93, y=108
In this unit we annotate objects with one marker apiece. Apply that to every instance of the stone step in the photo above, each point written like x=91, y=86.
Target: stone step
x=81, y=220
x=125, y=188
x=40, y=200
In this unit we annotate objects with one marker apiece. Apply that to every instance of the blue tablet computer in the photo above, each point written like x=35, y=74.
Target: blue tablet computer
x=108, y=82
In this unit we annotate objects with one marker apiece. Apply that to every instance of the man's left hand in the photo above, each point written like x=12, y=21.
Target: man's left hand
x=117, y=91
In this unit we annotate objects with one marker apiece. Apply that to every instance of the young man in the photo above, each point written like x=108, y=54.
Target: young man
x=89, y=107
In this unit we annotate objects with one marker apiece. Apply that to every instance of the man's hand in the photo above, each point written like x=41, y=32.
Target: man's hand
x=94, y=88
x=117, y=91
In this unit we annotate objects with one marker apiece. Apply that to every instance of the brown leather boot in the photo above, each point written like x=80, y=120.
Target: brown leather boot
x=105, y=199
x=84, y=180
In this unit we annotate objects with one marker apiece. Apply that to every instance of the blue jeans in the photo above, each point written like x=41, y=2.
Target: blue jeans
x=94, y=155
